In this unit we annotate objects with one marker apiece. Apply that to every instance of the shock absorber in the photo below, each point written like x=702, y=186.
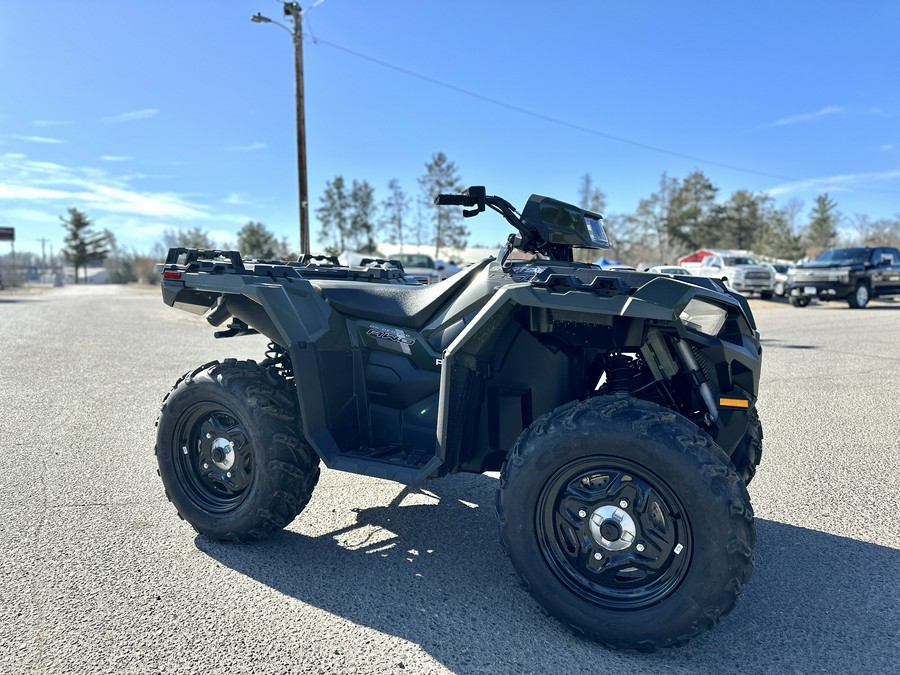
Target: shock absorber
x=693, y=368
x=618, y=373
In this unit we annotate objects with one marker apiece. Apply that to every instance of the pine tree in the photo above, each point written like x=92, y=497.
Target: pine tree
x=361, y=236
x=82, y=244
x=395, y=208
x=195, y=237
x=256, y=241
x=334, y=216
x=822, y=230
x=441, y=177
x=691, y=214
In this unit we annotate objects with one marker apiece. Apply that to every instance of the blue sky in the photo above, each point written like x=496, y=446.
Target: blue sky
x=166, y=115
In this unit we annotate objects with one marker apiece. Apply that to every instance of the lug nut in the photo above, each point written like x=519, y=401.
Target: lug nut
x=228, y=474
x=640, y=548
x=205, y=465
x=598, y=556
x=624, y=503
x=582, y=513
x=208, y=435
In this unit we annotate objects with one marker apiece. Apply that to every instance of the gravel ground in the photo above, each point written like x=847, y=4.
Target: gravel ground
x=98, y=574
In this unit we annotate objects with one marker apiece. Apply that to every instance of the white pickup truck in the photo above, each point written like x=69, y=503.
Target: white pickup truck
x=740, y=272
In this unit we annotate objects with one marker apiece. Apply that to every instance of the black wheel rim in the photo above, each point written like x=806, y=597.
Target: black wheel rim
x=613, y=532
x=213, y=458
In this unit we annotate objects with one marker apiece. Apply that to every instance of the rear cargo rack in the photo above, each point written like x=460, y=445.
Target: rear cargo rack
x=215, y=261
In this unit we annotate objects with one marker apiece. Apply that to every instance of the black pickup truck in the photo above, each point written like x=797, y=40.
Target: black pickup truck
x=853, y=274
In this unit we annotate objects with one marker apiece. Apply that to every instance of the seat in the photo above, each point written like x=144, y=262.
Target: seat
x=394, y=304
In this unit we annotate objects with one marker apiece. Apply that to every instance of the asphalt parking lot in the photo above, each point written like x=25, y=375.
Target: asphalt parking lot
x=98, y=574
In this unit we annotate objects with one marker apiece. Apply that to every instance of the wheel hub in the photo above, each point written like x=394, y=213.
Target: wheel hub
x=222, y=453
x=612, y=528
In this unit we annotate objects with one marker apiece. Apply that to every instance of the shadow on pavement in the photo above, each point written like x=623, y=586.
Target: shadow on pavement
x=434, y=574
x=780, y=344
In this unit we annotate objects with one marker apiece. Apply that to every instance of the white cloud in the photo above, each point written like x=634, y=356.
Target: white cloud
x=887, y=147
x=234, y=199
x=28, y=193
x=28, y=183
x=132, y=115
x=50, y=123
x=36, y=139
x=116, y=158
x=839, y=183
x=257, y=145
x=806, y=117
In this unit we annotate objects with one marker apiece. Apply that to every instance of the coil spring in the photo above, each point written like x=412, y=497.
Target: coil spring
x=277, y=358
x=618, y=373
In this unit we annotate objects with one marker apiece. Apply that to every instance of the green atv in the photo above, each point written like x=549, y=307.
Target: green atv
x=618, y=407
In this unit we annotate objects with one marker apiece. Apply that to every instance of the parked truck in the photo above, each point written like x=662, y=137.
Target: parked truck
x=740, y=272
x=852, y=274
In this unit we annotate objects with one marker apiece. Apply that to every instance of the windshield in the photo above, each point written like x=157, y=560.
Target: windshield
x=739, y=261
x=414, y=260
x=844, y=255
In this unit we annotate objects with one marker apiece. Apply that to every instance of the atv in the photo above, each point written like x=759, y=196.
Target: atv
x=619, y=408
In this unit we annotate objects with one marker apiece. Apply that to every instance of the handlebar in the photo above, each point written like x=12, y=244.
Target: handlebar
x=454, y=200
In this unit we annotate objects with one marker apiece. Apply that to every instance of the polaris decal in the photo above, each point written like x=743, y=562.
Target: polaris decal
x=392, y=334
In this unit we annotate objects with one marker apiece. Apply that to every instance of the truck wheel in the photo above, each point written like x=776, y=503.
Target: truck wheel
x=230, y=451
x=779, y=289
x=799, y=301
x=859, y=298
x=626, y=523
x=748, y=454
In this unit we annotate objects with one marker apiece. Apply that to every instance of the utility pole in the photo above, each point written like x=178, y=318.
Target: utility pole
x=44, y=242
x=293, y=10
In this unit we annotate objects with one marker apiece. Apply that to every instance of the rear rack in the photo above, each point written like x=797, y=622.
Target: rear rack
x=216, y=261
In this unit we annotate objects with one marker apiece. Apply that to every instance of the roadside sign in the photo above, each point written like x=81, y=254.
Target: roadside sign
x=7, y=234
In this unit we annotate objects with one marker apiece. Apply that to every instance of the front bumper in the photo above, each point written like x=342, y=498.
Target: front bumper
x=823, y=290
x=752, y=286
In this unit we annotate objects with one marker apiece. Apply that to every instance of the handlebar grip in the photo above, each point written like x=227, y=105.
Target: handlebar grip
x=454, y=200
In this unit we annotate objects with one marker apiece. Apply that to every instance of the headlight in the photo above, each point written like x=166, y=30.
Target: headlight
x=703, y=317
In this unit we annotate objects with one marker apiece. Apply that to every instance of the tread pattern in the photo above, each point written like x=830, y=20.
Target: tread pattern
x=291, y=466
x=748, y=454
x=715, y=469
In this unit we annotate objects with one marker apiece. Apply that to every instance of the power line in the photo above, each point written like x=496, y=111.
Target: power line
x=571, y=125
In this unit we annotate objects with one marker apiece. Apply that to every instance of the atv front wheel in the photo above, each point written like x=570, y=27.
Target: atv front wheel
x=626, y=523
x=230, y=453
x=748, y=454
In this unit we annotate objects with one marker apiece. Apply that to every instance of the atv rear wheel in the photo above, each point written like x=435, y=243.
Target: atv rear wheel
x=748, y=454
x=626, y=523
x=230, y=453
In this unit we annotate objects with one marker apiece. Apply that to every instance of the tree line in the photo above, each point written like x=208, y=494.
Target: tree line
x=682, y=215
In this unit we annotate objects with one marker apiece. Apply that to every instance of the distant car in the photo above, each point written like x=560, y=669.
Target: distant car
x=740, y=273
x=670, y=269
x=781, y=277
x=446, y=269
x=645, y=266
x=420, y=267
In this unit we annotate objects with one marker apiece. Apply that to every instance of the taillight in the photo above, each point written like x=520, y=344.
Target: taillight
x=172, y=274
